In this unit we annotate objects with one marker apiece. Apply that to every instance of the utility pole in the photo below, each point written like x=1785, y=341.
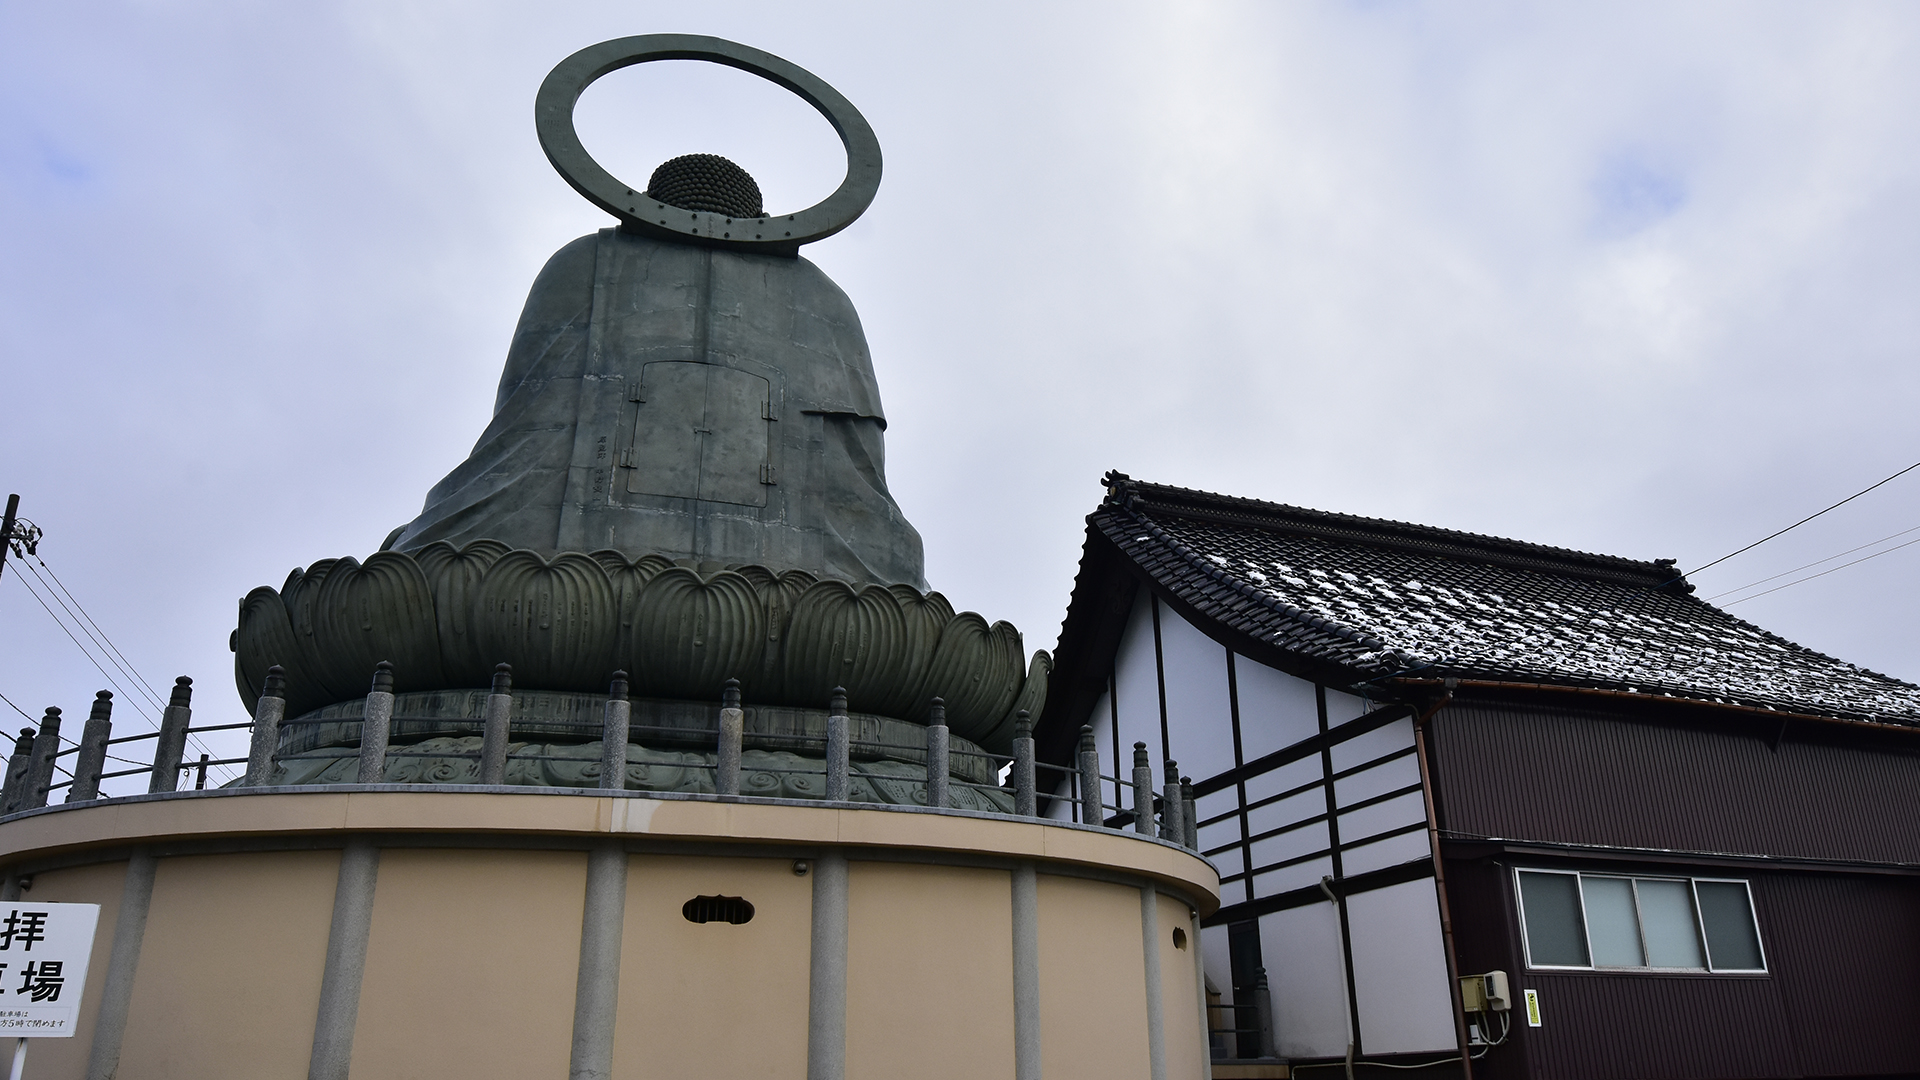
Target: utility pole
x=6, y=529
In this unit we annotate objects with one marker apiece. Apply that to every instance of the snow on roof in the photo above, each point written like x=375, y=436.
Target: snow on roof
x=1383, y=599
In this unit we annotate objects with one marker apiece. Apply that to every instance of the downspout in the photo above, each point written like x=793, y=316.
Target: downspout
x=1440, y=878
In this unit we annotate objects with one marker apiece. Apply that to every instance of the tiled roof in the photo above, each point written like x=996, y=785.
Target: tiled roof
x=1383, y=599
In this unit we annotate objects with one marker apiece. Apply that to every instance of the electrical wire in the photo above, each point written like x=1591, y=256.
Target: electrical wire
x=126, y=669
x=125, y=665
x=145, y=684
x=1822, y=573
x=1814, y=563
x=18, y=709
x=1804, y=520
x=82, y=620
x=82, y=648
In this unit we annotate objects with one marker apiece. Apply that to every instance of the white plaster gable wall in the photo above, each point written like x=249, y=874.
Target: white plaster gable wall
x=1400, y=970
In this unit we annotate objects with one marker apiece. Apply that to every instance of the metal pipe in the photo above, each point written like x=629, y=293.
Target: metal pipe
x=1026, y=797
x=91, y=761
x=937, y=760
x=733, y=726
x=1440, y=880
x=493, y=737
x=266, y=728
x=613, y=735
x=171, y=746
x=1090, y=809
x=376, y=725
x=838, y=780
x=1142, y=790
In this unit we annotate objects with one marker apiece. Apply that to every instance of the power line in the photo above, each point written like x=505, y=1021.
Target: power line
x=1804, y=520
x=151, y=691
x=17, y=708
x=102, y=642
x=1822, y=573
x=106, y=649
x=1814, y=563
x=83, y=648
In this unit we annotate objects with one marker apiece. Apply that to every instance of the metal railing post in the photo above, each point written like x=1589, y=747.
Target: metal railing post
x=1188, y=816
x=266, y=728
x=1091, y=812
x=46, y=744
x=1170, y=806
x=18, y=766
x=613, y=734
x=91, y=761
x=1026, y=800
x=733, y=726
x=493, y=737
x=376, y=725
x=171, y=746
x=1142, y=790
x=838, y=747
x=938, y=755
x=1263, y=1005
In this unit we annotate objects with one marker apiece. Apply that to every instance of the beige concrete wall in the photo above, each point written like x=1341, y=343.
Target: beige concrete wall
x=471, y=965
x=473, y=952
x=232, y=956
x=1179, y=989
x=1093, y=990
x=49, y=1059
x=713, y=999
x=929, y=972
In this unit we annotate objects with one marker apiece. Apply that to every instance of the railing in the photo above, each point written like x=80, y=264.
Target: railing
x=30, y=770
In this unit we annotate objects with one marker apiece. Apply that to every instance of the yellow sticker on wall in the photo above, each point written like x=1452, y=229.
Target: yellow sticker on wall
x=1533, y=1007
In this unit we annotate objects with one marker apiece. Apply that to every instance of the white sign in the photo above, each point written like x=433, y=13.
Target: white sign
x=44, y=950
x=1533, y=1007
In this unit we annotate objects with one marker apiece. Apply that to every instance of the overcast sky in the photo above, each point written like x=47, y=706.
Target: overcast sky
x=1630, y=278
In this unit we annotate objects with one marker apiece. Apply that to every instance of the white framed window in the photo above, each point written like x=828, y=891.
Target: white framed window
x=1631, y=922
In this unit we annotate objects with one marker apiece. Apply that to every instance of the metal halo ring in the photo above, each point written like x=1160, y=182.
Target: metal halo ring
x=780, y=234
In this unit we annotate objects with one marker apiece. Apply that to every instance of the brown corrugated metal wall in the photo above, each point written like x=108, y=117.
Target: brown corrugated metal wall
x=1592, y=777
x=1842, y=992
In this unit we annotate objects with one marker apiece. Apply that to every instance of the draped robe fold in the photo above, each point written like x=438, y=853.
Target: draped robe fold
x=686, y=401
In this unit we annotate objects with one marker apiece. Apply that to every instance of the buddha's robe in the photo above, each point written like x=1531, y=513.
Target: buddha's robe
x=680, y=400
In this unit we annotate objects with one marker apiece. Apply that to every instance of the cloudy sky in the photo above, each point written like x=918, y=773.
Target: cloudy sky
x=1630, y=278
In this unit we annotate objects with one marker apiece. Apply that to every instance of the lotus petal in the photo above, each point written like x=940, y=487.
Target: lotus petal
x=691, y=634
x=554, y=622
x=857, y=639
x=1032, y=698
x=977, y=669
x=265, y=638
x=381, y=609
x=454, y=575
x=628, y=579
x=927, y=615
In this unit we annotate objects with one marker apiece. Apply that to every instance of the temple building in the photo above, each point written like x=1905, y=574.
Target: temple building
x=1420, y=757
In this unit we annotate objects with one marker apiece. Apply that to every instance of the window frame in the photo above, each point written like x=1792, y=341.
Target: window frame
x=1699, y=926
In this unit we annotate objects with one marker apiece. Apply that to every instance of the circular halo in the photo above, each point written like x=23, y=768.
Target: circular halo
x=779, y=234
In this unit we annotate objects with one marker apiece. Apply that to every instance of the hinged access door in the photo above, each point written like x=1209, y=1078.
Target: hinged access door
x=700, y=432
